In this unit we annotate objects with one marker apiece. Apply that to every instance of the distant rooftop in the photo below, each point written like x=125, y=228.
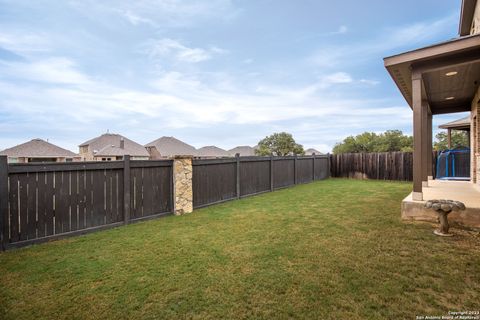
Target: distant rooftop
x=212, y=151
x=108, y=144
x=311, y=151
x=242, y=150
x=171, y=146
x=37, y=148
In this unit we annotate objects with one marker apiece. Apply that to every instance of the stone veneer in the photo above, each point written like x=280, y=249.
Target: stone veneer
x=182, y=184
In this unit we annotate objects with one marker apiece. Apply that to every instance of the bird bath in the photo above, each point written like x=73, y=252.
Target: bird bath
x=443, y=208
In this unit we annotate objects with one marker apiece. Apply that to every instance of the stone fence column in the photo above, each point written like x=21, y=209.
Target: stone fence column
x=182, y=185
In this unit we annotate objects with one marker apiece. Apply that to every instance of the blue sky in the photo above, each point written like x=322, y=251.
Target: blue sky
x=213, y=72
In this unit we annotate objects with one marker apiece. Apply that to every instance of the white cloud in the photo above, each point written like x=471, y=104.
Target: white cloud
x=136, y=19
x=24, y=42
x=338, y=77
x=53, y=70
x=369, y=82
x=177, y=101
x=172, y=48
x=165, y=13
x=342, y=29
x=381, y=44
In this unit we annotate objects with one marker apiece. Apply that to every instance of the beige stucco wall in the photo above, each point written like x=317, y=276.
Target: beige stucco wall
x=476, y=20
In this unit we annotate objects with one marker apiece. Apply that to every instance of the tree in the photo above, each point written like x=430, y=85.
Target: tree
x=459, y=140
x=394, y=140
x=279, y=144
x=390, y=140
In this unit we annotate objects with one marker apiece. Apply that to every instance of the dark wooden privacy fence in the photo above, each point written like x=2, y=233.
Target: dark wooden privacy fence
x=43, y=201
x=381, y=165
x=218, y=180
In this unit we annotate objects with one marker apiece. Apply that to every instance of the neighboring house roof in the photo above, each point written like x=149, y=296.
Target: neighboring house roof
x=212, y=151
x=311, y=151
x=170, y=146
x=243, y=150
x=459, y=124
x=38, y=148
x=108, y=144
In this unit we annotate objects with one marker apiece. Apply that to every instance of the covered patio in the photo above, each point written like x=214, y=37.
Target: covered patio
x=439, y=79
x=463, y=191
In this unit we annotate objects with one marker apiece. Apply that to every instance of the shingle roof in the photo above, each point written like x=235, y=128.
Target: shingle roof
x=459, y=123
x=108, y=144
x=170, y=146
x=243, y=150
x=311, y=151
x=212, y=151
x=37, y=148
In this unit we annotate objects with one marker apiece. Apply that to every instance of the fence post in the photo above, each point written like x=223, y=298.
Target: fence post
x=313, y=168
x=329, y=165
x=126, y=189
x=3, y=201
x=237, y=158
x=295, y=169
x=271, y=173
x=182, y=184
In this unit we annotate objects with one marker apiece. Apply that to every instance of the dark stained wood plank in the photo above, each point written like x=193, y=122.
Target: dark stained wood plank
x=254, y=177
x=49, y=203
x=114, y=214
x=32, y=205
x=82, y=199
x=41, y=203
x=74, y=200
x=284, y=173
x=213, y=183
x=147, y=191
x=13, y=204
x=98, y=198
x=108, y=196
x=62, y=207
x=23, y=205
x=138, y=192
x=89, y=205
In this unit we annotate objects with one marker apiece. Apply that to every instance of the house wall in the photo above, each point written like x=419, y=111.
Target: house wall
x=118, y=158
x=85, y=153
x=476, y=20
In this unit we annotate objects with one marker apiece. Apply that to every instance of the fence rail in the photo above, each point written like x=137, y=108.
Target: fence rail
x=48, y=201
x=219, y=180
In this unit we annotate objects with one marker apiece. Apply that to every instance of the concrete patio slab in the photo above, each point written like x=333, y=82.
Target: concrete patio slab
x=463, y=191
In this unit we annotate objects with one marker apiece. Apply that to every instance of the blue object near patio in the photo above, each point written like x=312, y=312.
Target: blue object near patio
x=453, y=164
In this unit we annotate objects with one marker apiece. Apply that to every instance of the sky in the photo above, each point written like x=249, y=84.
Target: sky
x=212, y=72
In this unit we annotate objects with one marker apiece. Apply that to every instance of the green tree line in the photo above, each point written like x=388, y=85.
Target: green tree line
x=395, y=140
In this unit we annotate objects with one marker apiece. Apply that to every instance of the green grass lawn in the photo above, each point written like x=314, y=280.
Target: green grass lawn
x=333, y=249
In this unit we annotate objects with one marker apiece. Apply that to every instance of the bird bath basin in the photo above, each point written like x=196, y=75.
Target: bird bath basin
x=443, y=208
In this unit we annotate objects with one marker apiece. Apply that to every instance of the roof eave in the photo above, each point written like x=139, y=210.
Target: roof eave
x=466, y=17
x=439, y=50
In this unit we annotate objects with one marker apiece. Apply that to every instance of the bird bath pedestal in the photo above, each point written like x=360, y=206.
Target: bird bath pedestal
x=443, y=208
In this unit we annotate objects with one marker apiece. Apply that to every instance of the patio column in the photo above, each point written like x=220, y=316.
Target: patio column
x=449, y=138
x=429, y=146
x=420, y=115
